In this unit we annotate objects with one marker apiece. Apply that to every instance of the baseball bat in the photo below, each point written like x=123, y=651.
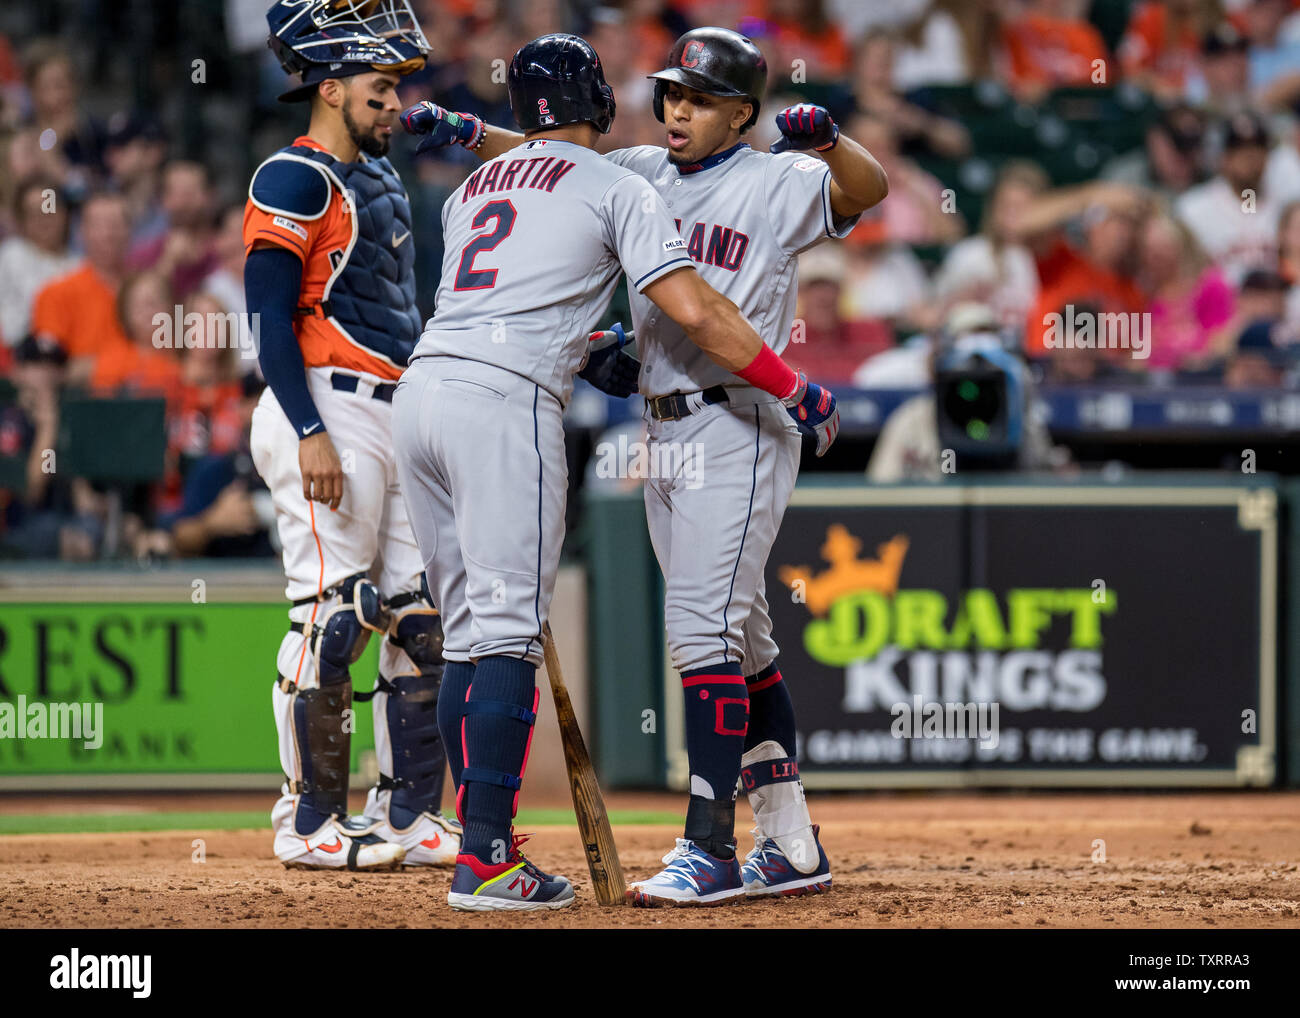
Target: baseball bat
x=588, y=804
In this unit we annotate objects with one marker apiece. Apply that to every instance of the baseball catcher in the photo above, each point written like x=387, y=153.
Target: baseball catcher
x=330, y=268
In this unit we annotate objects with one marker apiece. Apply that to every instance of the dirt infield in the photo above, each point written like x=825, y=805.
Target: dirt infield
x=903, y=860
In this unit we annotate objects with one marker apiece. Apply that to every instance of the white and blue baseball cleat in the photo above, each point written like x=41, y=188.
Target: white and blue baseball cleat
x=769, y=871
x=691, y=877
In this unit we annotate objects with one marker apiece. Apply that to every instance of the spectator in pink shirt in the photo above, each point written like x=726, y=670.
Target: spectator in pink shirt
x=184, y=253
x=1190, y=301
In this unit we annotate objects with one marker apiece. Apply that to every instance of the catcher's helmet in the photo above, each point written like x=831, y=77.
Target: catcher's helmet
x=312, y=37
x=717, y=61
x=556, y=80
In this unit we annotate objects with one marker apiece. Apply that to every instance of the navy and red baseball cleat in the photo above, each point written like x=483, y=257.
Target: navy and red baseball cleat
x=769, y=871
x=691, y=877
x=515, y=885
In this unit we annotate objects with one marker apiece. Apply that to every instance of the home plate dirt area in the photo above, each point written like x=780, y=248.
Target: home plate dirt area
x=1187, y=860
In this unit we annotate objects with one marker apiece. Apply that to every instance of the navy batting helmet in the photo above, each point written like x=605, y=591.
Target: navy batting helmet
x=556, y=80
x=716, y=61
x=320, y=39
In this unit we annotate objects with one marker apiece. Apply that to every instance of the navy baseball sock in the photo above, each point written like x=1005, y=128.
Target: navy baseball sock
x=771, y=714
x=717, y=716
x=499, y=716
x=456, y=679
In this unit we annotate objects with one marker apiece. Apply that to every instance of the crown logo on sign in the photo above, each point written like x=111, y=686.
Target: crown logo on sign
x=848, y=574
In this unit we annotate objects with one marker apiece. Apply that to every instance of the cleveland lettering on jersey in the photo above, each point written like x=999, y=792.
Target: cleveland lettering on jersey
x=725, y=248
x=540, y=173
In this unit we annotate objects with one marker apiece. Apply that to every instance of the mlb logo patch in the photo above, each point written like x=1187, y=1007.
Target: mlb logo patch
x=290, y=225
x=674, y=245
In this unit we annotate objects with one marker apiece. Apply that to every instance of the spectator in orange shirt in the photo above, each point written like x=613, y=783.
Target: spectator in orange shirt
x=652, y=27
x=203, y=413
x=204, y=416
x=1050, y=45
x=79, y=310
x=145, y=366
x=1162, y=43
x=802, y=30
x=1100, y=274
x=184, y=253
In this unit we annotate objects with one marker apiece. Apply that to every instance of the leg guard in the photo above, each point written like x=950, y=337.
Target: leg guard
x=771, y=780
x=341, y=635
x=322, y=743
x=320, y=733
x=411, y=757
x=497, y=734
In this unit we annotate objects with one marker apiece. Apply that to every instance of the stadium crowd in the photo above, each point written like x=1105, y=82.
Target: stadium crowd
x=1113, y=156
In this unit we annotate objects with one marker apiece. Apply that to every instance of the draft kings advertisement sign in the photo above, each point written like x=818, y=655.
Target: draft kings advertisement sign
x=1026, y=643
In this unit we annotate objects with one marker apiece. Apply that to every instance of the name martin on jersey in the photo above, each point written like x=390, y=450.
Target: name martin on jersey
x=540, y=173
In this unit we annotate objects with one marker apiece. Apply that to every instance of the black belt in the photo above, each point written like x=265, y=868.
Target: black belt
x=674, y=407
x=348, y=383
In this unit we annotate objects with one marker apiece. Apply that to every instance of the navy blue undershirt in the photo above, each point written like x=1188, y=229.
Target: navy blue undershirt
x=272, y=281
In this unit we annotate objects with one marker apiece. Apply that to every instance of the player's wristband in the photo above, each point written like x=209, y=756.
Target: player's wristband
x=478, y=131
x=771, y=374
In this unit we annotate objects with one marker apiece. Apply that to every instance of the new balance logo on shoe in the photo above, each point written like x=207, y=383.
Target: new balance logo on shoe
x=523, y=884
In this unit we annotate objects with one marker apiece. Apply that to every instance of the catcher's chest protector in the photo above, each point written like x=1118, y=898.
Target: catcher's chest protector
x=373, y=296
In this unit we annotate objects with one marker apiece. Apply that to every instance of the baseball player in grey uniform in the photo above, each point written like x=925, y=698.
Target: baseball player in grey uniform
x=744, y=217
x=536, y=239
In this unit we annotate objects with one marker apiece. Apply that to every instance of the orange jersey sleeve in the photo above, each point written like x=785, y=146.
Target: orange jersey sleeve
x=321, y=243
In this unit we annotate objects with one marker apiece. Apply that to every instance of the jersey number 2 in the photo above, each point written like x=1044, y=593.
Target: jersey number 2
x=469, y=278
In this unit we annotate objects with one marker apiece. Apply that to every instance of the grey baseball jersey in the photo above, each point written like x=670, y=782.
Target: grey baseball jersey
x=535, y=241
x=744, y=216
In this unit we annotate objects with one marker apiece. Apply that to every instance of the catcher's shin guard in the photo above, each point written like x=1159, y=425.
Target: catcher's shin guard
x=324, y=741
x=771, y=780
x=409, y=748
x=313, y=710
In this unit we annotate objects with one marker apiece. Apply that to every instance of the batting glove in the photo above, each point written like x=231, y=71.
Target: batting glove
x=442, y=127
x=609, y=367
x=814, y=412
x=804, y=127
